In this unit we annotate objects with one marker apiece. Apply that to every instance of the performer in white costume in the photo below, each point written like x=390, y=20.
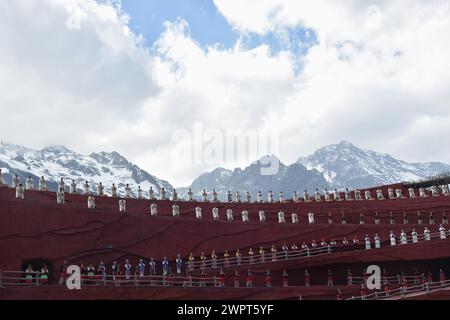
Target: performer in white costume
x=190, y=195
x=215, y=213
x=422, y=193
x=86, y=188
x=151, y=194
x=368, y=195
x=294, y=218
x=248, y=197
x=162, y=194
x=270, y=197
x=260, y=197
x=415, y=236
x=42, y=184
x=262, y=216
x=238, y=197
x=29, y=184
x=281, y=197
x=62, y=184
x=317, y=196
x=198, y=212
x=311, y=219
x=2, y=181
x=175, y=210
x=367, y=242
x=229, y=197
x=391, y=194
x=73, y=187
x=412, y=193
x=174, y=195
x=214, y=195
x=442, y=232
x=295, y=197
x=60, y=196
x=91, y=202
x=377, y=242
x=204, y=196
x=377, y=218
x=127, y=191
x=306, y=196
x=113, y=191
x=139, y=192
x=245, y=216
x=327, y=195
x=358, y=195
x=380, y=195
x=392, y=238
x=399, y=194
x=101, y=189
x=20, y=192
x=281, y=218
x=444, y=218
x=15, y=181
x=337, y=196
x=348, y=195
x=229, y=215
x=427, y=234
x=403, y=237
x=434, y=191
x=154, y=209
x=445, y=190
x=122, y=206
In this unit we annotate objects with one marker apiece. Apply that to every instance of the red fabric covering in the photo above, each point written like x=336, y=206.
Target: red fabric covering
x=38, y=228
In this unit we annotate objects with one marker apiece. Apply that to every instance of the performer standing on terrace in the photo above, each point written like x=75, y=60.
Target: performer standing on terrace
x=361, y=219
x=230, y=215
x=214, y=195
x=431, y=218
x=285, y=277
x=317, y=196
x=2, y=181
x=273, y=250
x=445, y=190
x=204, y=196
x=229, y=197
x=154, y=209
x=349, y=277
x=86, y=188
x=213, y=260
x=127, y=191
x=20, y=192
x=377, y=241
x=294, y=218
x=60, y=196
x=139, y=193
x=327, y=195
x=403, y=237
x=367, y=242
x=330, y=282
x=307, y=279
x=281, y=197
x=91, y=202
x=29, y=184
x=175, y=210
x=113, y=191
x=236, y=279
x=165, y=266
x=347, y=195
x=285, y=249
x=268, y=279
x=101, y=190
x=281, y=218
x=270, y=197
x=221, y=279
x=151, y=194
x=405, y=218
x=162, y=194
x=311, y=219
x=42, y=184
x=419, y=218
x=122, y=206
x=190, y=195
x=251, y=255
x=295, y=197
x=202, y=261
x=412, y=193
x=152, y=265
x=249, y=279
x=337, y=196
x=415, y=236
x=377, y=218
x=427, y=234
x=238, y=197
x=29, y=274
x=128, y=269
x=215, y=213
x=15, y=181
x=262, y=254
x=198, y=212
x=226, y=257
x=262, y=216
x=442, y=232
x=248, y=197
x=179, y=264
x=358, y=195
x=238, y=257
x=245, y=216
x=260, y=197
x=380, y=195
x=392, y=238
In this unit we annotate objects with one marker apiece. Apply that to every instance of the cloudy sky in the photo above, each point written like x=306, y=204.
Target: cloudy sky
x=124, y=75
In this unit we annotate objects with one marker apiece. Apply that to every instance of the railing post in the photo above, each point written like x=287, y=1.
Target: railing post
x=402, y=293
x=427, y=287
x=329, y=249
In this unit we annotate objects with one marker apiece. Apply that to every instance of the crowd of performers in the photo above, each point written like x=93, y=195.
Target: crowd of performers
x=213, y=196
x=141, y=274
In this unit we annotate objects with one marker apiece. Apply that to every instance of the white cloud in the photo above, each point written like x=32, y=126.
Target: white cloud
x=72, y=72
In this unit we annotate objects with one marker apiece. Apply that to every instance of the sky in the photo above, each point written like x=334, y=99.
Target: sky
x=140, y=77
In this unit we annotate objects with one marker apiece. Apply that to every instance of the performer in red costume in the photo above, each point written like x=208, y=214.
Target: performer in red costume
x=236, y=279
x=307, y=279
x=268, y=279
x=330, y=282
x=285, y=279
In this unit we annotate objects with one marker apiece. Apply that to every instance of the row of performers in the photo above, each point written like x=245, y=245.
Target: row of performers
x=247, y=198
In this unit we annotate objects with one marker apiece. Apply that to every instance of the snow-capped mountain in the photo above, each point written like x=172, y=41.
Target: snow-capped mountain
x=288, y=179
x=335, y=166
x=56, y=162
x=345, y=165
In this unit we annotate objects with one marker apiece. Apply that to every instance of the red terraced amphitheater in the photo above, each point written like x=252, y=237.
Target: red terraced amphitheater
x=37, y=230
